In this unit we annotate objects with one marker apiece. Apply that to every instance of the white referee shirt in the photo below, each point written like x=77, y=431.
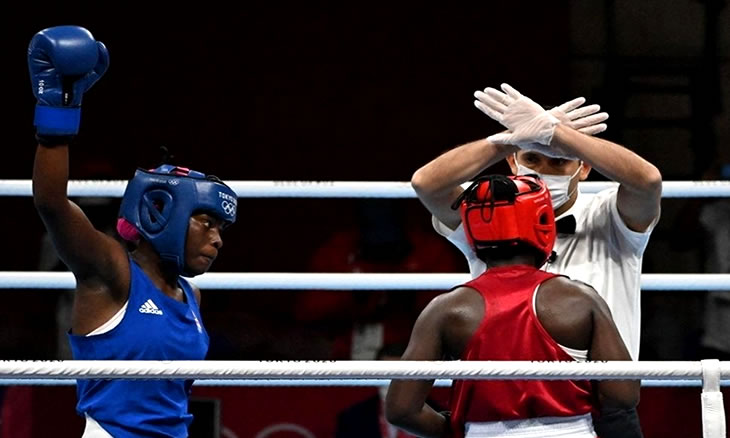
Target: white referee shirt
x=603, y=252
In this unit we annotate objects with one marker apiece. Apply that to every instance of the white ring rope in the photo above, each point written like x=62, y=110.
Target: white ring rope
x=346, y=189
x=713, y=419
x=367, y=369
x=346, y=281
x=439, y=383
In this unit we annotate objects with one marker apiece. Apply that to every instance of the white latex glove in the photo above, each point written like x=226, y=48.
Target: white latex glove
x=527, y=121
x=584, y=119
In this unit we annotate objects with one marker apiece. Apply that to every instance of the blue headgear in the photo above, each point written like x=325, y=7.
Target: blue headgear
x=158, y=204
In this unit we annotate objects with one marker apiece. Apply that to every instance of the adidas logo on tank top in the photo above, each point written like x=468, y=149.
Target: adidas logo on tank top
x=150, y=307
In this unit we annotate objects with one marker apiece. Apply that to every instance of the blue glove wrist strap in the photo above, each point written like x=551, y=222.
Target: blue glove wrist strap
x=51, y=120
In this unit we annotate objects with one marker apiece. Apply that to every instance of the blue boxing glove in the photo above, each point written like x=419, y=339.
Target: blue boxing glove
x=64, y=62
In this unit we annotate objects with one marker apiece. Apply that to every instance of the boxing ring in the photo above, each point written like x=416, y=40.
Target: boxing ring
x=709, y=374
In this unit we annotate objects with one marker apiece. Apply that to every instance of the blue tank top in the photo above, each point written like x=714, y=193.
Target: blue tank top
x=154, y=327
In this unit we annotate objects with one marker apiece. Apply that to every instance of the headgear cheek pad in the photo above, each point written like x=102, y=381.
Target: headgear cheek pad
x=499, y=211
x=158, y=204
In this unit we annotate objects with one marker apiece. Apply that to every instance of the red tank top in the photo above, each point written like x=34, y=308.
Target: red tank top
x=510, y=330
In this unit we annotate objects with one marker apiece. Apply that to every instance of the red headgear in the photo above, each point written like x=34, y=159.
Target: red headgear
x=499, y=211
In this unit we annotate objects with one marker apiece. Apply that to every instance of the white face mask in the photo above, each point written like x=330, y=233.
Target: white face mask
x=559, y=185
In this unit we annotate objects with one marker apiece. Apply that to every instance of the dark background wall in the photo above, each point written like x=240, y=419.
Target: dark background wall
x=287, y=93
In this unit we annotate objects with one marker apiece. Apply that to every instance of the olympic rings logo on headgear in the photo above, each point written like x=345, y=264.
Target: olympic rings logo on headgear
x=229, y=208
x=158, y=204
